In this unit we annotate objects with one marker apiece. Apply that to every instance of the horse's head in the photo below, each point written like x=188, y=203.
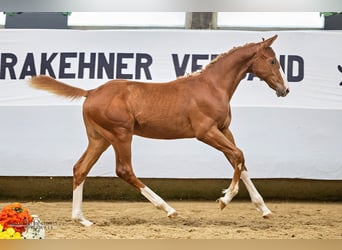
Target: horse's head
x=266, y=66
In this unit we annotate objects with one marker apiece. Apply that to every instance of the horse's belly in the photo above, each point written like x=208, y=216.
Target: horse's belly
x=169, y=130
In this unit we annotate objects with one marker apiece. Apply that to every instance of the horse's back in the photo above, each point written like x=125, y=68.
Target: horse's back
x=149, y=109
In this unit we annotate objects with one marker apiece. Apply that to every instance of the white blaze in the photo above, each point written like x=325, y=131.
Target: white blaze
x=286, y=83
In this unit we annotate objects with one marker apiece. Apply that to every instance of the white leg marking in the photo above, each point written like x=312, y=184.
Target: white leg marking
x=228, y=195
x=255, y=196
x=77, y=197
x=157, y=201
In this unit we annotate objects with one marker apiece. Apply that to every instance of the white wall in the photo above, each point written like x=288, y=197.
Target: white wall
x=294, y=137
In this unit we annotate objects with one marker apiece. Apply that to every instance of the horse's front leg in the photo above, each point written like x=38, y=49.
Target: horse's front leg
x=237, y=160
x=256, y=198
x=215, y=138
x=232, y=190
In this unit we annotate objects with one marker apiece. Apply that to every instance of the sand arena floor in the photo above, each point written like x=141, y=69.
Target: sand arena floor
x=196, y=220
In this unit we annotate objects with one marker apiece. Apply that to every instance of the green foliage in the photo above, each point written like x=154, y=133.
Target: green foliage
x=329, y=13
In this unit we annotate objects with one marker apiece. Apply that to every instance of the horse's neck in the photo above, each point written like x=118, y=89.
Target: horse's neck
x=230, y=69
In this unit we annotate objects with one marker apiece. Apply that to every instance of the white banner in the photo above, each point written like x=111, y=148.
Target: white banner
x=294, y=137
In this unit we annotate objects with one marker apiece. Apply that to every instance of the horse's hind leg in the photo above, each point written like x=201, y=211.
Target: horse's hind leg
x=122, y=147
x=96, y=146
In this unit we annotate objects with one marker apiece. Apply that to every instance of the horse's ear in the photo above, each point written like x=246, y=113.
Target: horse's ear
x=268, y=42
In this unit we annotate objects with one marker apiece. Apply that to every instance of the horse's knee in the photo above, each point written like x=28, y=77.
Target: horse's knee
x=238, y=159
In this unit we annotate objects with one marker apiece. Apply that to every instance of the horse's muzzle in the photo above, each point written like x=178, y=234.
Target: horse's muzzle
x=282, y=93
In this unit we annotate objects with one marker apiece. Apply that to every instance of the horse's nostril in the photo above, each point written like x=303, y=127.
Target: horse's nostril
x=287, y=91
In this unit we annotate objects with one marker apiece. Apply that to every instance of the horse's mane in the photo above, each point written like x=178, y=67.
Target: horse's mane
x=216, y=59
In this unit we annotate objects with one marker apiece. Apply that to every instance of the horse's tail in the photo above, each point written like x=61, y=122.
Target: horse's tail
x=49, y=84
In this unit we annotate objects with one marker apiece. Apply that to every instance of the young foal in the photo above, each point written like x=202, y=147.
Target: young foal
x=192, y=106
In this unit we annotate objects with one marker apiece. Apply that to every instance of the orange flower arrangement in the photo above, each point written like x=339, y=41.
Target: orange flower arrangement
x=15, y=216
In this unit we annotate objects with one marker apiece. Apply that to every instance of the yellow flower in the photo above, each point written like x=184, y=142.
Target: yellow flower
x=4, y=235
x=16, y=235
x=10, y=231
x=1, y=228
x=10, y=234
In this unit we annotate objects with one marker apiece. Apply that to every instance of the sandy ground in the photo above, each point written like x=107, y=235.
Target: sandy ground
x=196, y=220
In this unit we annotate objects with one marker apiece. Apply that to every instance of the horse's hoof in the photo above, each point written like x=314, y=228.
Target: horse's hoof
x=172, y=214
x=222, y=203
x=268, y=216
x=83, y=222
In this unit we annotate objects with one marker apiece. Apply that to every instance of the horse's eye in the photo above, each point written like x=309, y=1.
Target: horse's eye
x=273, y=61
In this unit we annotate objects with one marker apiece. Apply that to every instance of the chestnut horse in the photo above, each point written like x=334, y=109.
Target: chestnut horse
x=193, y=106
